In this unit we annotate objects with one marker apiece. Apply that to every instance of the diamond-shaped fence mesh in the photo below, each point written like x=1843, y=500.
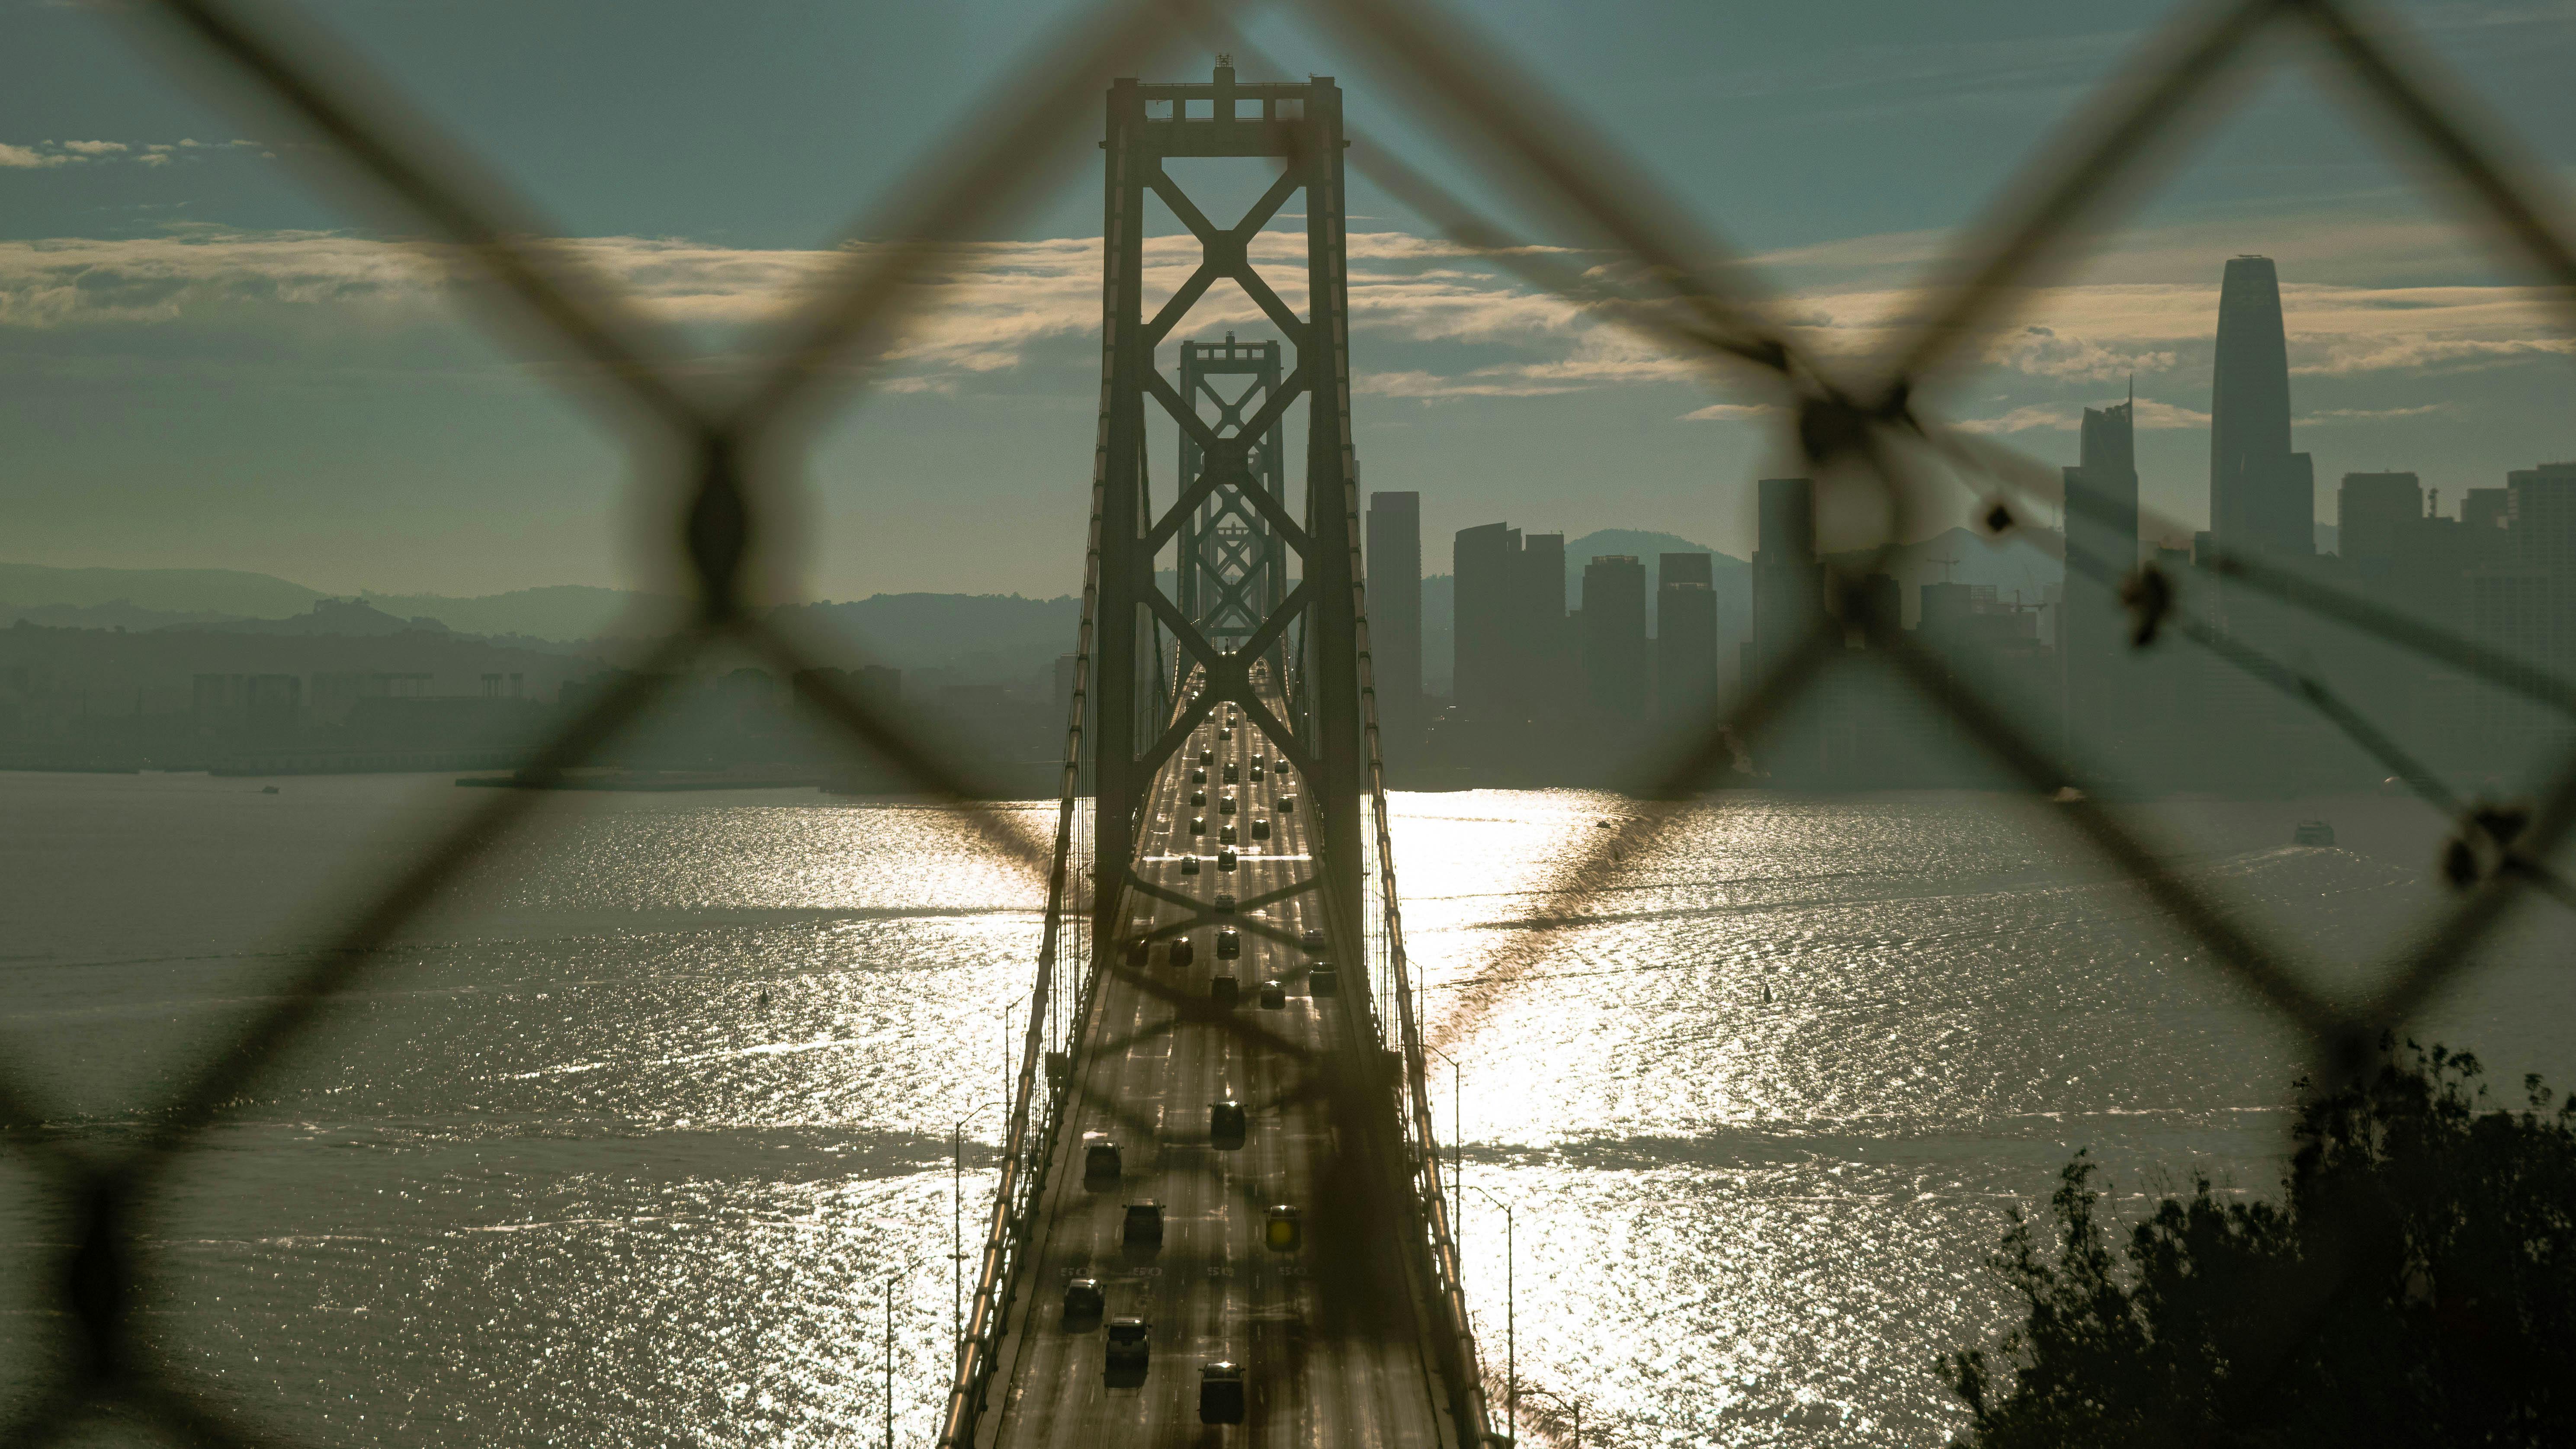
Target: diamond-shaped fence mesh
x=1859, y=430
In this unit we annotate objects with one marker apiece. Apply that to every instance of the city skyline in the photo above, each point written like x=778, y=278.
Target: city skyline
x=423, y=458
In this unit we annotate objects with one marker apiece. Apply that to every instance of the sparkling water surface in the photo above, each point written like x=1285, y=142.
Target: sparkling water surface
x=624, y=1143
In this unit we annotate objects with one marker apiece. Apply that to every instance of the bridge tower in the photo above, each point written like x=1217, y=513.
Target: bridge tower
x=1234, y=527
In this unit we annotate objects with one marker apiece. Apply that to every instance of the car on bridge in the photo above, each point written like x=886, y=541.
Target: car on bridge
x=1198, y=825
x=1229, y=943
x=1227, y=806
x=1225, y=903
x=1224, y=990
x=1230, y=773
x=1183, y=953
x=1312, y=939
x=1287, y=804
x=1206, y=755
x=1130, y=1352
x=1227, y=1125
x=1285, y=1231
x=1198, y=797
x=1101, y=1164
x=1226, y=858
x=1260, y=829
x=1323, y=980
x=1144, y=1226
x=1254, y=769
x=1221, y=1392
x=1189, y=865
x=1084, y=1304
x=1225, y=834
x=1274, y=995
x=1198, y=776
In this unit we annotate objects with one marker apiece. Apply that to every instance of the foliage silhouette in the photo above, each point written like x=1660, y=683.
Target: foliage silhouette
x=2416, y=1285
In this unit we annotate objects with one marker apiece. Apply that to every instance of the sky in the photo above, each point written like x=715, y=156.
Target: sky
x=216, y=352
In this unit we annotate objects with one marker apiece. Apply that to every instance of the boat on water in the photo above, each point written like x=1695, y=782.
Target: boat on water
x=2312, y=832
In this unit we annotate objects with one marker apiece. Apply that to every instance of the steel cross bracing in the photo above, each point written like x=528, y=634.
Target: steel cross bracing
x=1233, y=569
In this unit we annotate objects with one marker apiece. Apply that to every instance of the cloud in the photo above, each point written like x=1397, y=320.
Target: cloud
x=2367, y=415
x=77, y=153
x=23, y=158
x=1732, y=413
x=2151, y=416
x=1444, y=322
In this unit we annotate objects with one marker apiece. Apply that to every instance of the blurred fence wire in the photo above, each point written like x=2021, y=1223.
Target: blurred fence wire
x=1859, y=428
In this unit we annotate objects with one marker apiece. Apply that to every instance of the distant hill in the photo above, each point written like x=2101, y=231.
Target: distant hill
x=136, y=599
x=560, y=612
x=345, y=617
x=1733, y=575
x=984, y=638
x=230, y=593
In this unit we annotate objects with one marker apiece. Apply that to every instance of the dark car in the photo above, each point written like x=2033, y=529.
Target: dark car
x=1144, y=1226
x=1198, y=825
x=1229, y=943
x=1183, y=953
x=1198, y=777
x=1084, y=1303
x=1226, y=858
x=1130, y=1350
x=1260, y=829
x=1101, y=1164
x=1225, y=903
x=1198, y=797
x=1255, y=770
x=1226, y=1125
x=1287, y=804
x=1207, y=756
x=1274, y=995
x=1224, y=990
x=1285, y=1232
x=1323, y=980
x=1230, y=774
x=1225, y=834
x=1226, y=806
x=1189, y=865
x=1312, y=939
x=1221, y=1393
x=1138, y=952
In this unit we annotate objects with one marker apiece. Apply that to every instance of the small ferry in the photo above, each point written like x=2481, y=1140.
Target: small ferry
x=2312, y=832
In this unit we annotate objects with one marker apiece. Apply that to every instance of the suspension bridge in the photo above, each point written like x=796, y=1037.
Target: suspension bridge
x=1220, y=1213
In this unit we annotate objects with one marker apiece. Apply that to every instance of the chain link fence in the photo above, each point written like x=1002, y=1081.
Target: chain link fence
x=1858, y=427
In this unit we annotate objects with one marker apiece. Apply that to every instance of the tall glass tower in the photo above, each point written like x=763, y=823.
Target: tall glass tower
x=2262, y=496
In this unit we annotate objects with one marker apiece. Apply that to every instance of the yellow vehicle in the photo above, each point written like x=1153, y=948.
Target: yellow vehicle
x=1285, y=1232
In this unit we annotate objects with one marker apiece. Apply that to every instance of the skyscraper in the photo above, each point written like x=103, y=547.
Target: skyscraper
x=1788, y=588
x=1487, y=568
x=1395, y=615
x=1614, y=635
x=1685, y=634
x=2101, y=535
x=2262, y=496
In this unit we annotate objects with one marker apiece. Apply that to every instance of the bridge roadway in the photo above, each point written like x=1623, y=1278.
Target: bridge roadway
x=1329, y=1336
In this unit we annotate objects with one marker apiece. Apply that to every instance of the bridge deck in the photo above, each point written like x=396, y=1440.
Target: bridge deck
x=1328, y=1336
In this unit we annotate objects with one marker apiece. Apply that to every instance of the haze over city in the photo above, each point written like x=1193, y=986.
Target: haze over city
x=1391, y=726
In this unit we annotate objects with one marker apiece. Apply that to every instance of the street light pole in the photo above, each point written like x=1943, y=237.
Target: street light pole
x=889, y=1365
x=1511, y=1319
x=957, y=1228
x=1457, y=1157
